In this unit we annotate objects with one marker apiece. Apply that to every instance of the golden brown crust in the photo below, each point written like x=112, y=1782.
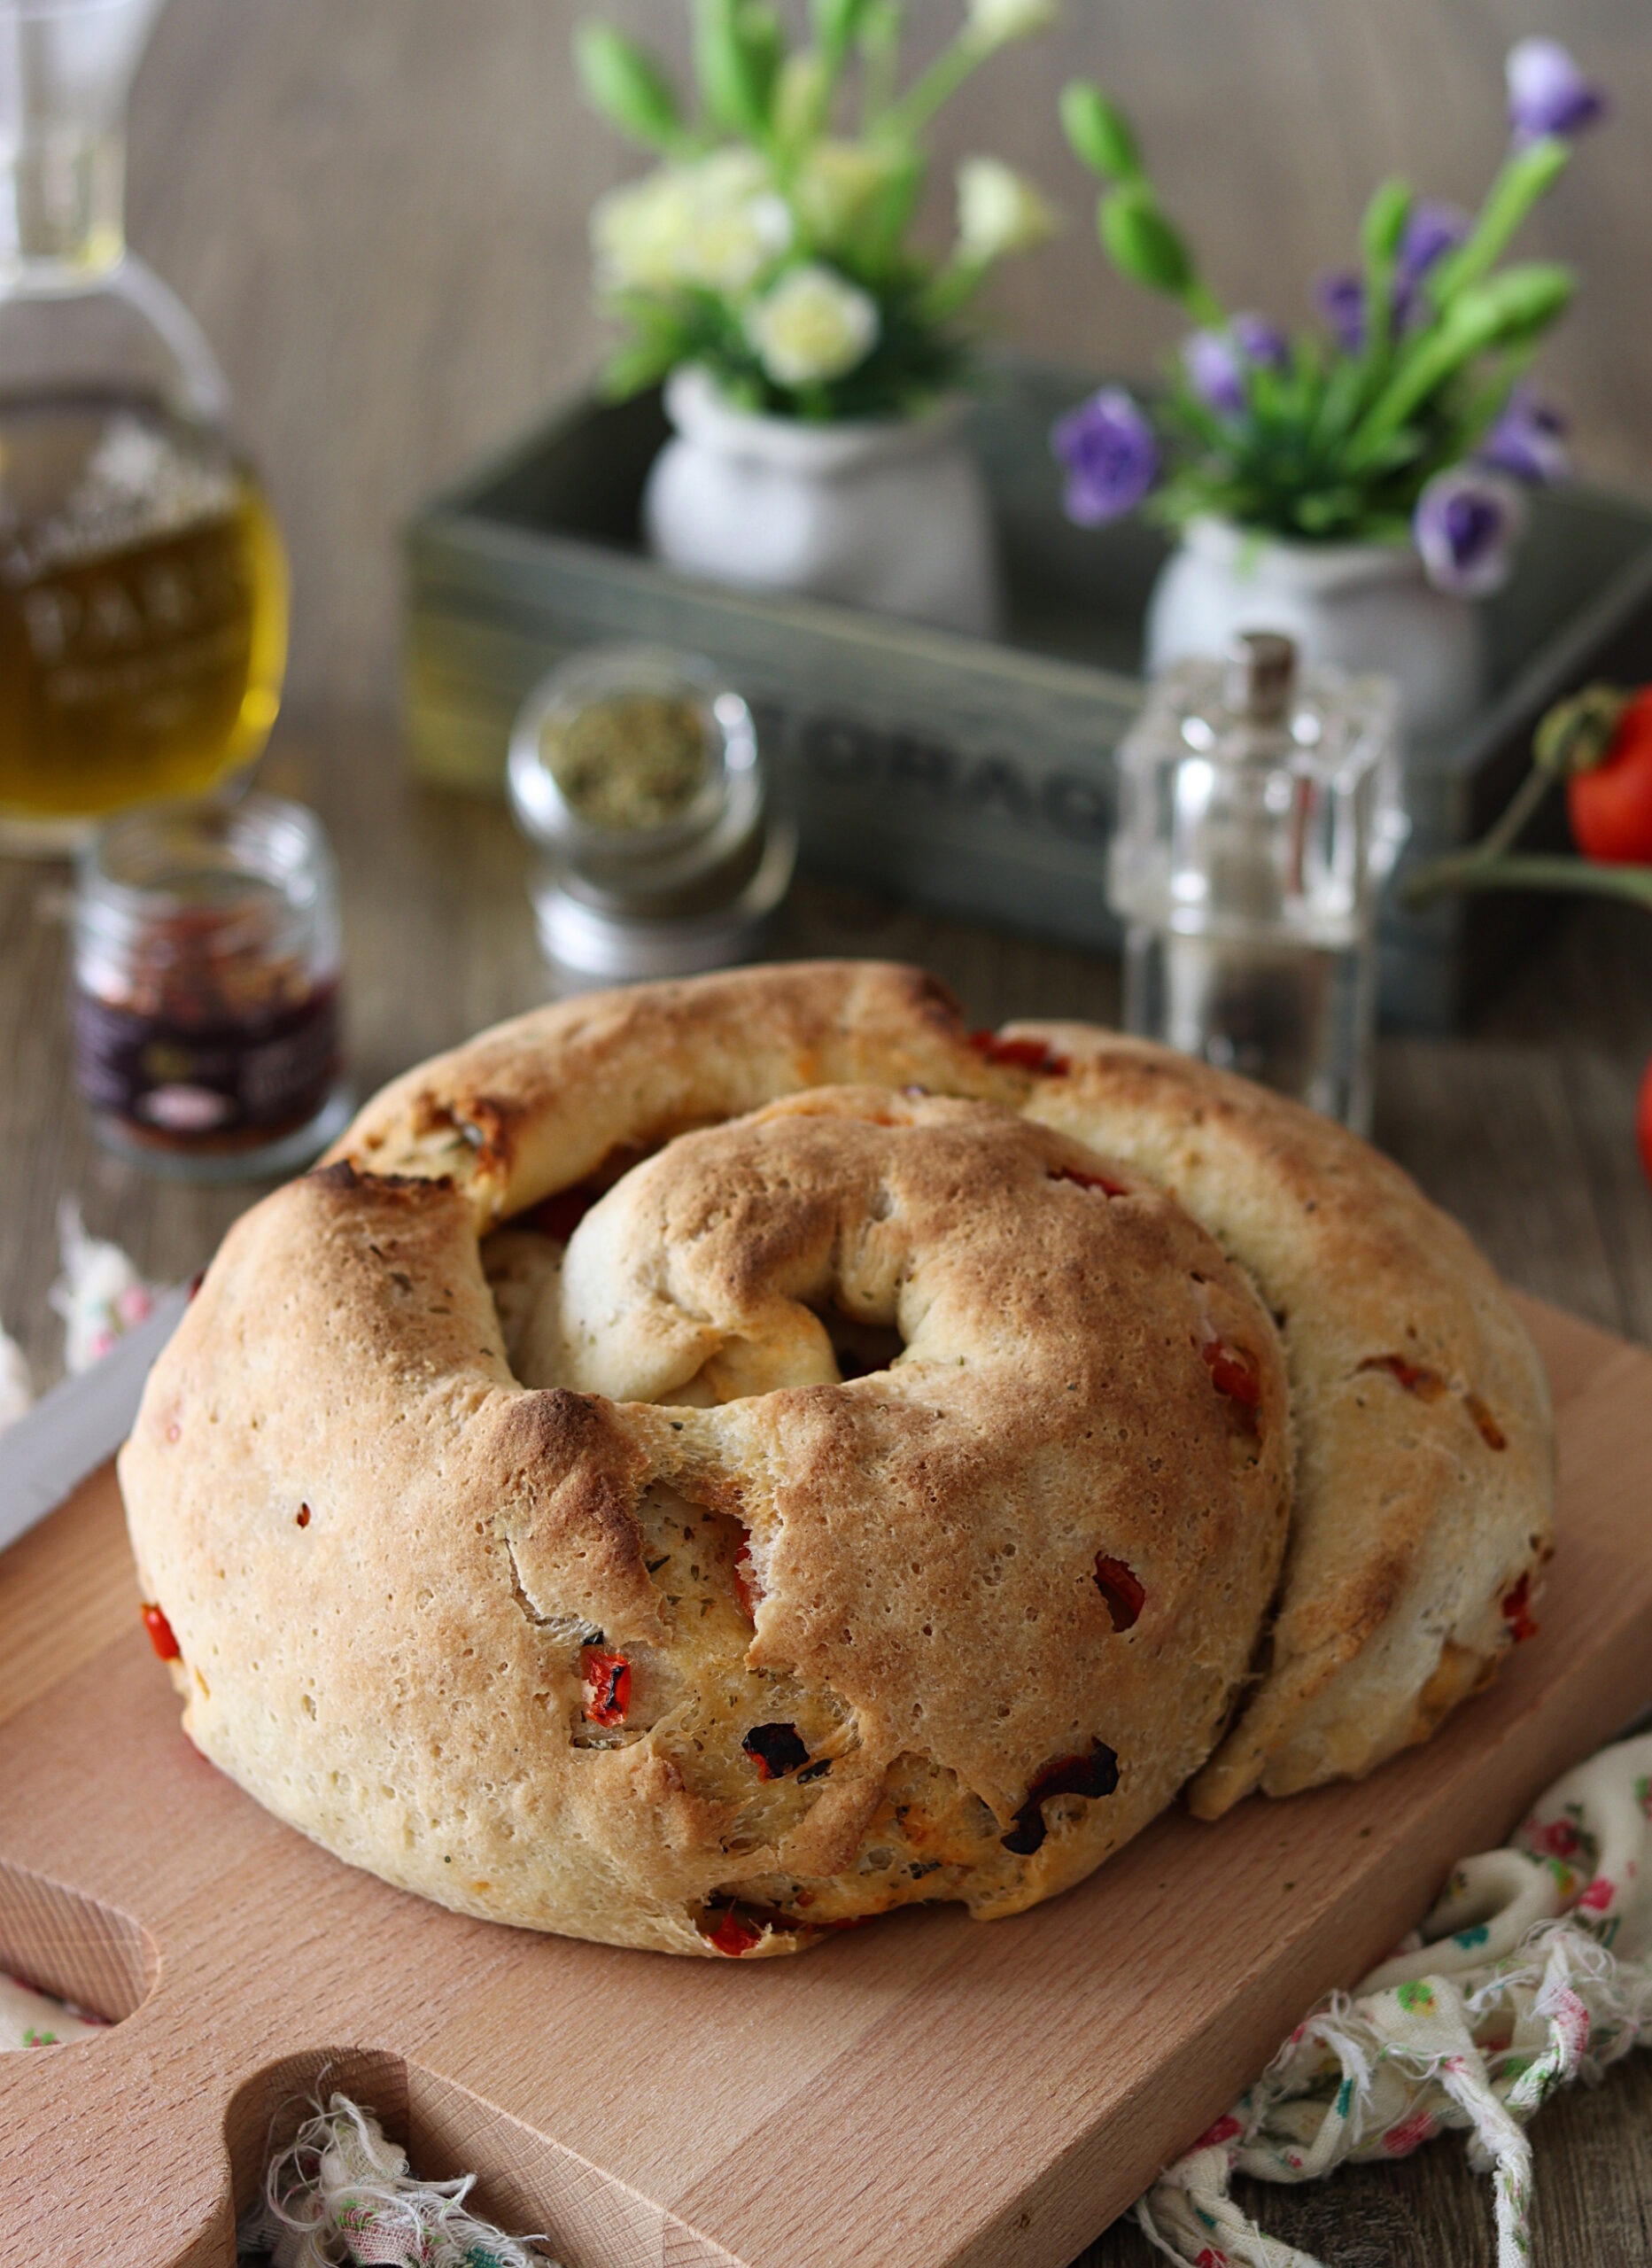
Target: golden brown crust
x=386, y=1508
x=545, y=1100
x=1425, y=1447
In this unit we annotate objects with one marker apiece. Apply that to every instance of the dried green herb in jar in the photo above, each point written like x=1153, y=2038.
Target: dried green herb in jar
x=632, y=760
x=636, y=771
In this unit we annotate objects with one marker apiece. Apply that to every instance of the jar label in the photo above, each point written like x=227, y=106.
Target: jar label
x=184, y=1082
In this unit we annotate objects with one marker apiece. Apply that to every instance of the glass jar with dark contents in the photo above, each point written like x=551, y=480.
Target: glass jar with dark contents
x=206, y=988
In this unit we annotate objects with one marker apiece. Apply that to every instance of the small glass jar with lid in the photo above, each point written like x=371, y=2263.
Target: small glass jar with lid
x=637, y=771
x=1259, y=816
x=206, y=991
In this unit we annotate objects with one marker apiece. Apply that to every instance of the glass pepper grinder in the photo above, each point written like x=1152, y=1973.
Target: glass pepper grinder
x=1258, y=817
x=143, y=586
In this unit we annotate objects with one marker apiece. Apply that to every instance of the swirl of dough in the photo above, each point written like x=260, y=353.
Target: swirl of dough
x=707, y=1464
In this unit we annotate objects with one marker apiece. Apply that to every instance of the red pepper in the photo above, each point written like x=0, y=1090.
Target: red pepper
x=1490, y=1431
x=1233, y=1371
x=1517, y=1611
x=747, y=1583
x=608, y=1686
x=1120, y=1589
x=1101, y=1181
x=161, y=1634
x=1021, y=1055
x=1428, y=1386
x=733, y=1934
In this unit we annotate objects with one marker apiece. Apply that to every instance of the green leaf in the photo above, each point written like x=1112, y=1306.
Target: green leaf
x=624, y=84
x=738, y=47
x=1100, y=134
x=633, y=368
x=762, y=39
x=889, y=215
x=837, y=23
x=1140, y=242
x=1381, y=229
x=1521, y=302
x=802, y=96
x=1385, y=221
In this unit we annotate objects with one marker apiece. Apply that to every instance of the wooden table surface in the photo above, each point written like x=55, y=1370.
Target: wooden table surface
x=1523, y=1128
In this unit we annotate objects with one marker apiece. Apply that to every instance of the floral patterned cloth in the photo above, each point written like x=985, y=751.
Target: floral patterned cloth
x=30, y=2019
x=340, y=2195
x=100, y=1295
x=1534, y=1970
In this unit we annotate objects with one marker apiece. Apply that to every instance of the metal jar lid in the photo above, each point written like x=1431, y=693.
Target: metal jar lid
x=637, y=771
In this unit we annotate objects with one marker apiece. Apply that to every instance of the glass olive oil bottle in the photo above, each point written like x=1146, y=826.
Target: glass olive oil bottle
x=142, y=584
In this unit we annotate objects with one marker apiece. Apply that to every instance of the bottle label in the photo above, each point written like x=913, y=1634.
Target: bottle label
x=181, y=1083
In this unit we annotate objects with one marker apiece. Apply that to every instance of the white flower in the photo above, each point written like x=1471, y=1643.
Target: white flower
x=717, y=223
x=994, y=23
x=999, y=212
x=638, y=232
x=813, y=326
x=740, y=225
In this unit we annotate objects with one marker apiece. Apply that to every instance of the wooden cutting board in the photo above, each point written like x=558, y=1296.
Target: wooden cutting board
x=929, y=2092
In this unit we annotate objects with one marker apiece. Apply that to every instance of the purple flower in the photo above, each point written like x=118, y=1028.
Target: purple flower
x=1111, y=457
x=1212, y=364
x=1260, y=341
x=1528, y=441
x=1217, y=361
x=1466, y=525
x=1433, y=228
x=1547, y=94
x=1340, y=298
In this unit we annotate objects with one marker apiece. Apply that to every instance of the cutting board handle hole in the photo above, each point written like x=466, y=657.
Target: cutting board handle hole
x=527, y=2182
x=66, y=1944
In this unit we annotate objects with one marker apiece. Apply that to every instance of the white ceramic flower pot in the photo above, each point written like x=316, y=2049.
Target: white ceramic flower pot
x=1360, y=606
x=890, y=515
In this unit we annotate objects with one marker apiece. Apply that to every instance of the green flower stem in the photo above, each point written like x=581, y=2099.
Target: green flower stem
x=1381, y=230
x=1512, y=309
x=937, y=86
x=1428, y=365
x=1527, y=175
x=949, y=291
x=1486, y=404
x=1473, y=870
x=880, y=63
x=1506, y=830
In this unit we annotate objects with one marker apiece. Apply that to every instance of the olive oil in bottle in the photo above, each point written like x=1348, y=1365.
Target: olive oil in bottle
x=143, y=613
x=142, y=589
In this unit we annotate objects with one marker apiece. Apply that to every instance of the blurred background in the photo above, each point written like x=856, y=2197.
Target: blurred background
x=377, y=208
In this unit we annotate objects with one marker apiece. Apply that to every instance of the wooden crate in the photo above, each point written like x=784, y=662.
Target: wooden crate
x=971, y=777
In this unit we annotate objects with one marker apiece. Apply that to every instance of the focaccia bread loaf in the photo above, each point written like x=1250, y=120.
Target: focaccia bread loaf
x=706, y=1463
